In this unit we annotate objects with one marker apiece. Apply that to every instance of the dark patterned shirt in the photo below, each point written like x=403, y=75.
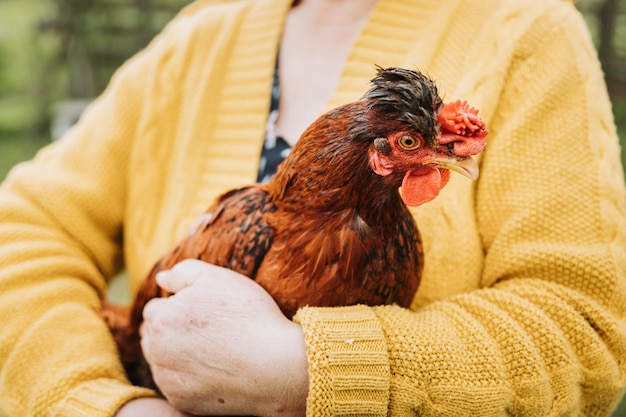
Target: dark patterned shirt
x=275, y=148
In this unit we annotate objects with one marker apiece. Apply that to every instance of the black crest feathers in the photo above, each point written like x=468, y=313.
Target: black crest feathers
x=408, y=96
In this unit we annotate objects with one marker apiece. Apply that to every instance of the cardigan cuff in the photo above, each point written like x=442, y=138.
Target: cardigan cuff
x=99, y=398
x=349, y=371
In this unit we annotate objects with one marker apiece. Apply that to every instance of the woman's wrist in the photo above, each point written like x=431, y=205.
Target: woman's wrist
x=292, y=385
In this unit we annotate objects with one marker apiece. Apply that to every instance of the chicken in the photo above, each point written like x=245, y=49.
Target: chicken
x=330, y=228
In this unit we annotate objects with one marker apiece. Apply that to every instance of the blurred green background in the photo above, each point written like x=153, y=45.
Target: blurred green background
x=56, y=55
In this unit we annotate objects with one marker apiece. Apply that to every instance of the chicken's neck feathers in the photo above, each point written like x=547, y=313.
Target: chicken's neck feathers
x=329, y=169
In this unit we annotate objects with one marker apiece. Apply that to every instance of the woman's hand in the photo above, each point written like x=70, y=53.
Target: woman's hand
x=220, y=345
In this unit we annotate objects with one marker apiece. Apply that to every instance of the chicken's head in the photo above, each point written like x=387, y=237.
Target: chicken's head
x=418, y=139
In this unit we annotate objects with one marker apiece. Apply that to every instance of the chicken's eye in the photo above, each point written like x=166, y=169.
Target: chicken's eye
x=408, y=141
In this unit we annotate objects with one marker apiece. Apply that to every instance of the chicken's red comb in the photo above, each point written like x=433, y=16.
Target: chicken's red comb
x=460, y=118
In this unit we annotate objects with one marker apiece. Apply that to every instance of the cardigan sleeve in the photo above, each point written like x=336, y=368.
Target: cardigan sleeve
x=60, y=240
x=544, y=334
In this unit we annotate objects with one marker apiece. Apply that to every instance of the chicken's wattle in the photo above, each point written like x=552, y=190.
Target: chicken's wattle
x=419, y=186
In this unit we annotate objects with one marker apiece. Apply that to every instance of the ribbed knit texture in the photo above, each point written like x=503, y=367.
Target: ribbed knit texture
x=521, y=309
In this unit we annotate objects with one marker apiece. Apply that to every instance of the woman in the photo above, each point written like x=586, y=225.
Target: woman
x=522, y=301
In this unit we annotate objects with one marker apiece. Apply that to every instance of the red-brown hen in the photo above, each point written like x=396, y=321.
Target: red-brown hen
x=330, y=228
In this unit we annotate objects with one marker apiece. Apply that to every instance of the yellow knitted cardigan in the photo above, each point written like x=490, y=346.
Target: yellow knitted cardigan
x=521, y=310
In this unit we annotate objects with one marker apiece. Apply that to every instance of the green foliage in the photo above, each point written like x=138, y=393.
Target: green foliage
x=54, y=50
x=51, y=50
x=27, y=80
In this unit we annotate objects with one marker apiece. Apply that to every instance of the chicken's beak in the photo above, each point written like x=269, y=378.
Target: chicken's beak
x=466, y=166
